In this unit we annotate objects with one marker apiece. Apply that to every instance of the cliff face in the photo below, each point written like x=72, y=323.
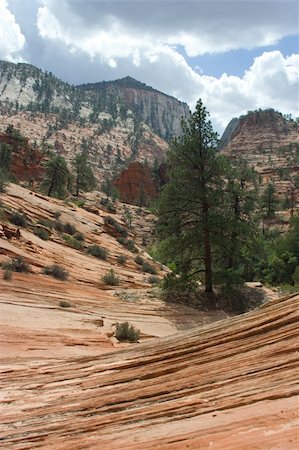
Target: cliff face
x=269, y=141
x=159, y=111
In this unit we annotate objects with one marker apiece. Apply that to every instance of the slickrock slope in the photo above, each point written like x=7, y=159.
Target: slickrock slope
x=270, y=143
x=230, y=385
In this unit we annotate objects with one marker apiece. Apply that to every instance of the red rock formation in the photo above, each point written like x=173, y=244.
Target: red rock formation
x=136, y=185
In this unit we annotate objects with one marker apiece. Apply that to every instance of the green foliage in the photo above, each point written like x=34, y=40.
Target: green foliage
x=97, y=251
x=3, y=181
x=121, y=259
x=79, y=236
x=56, y=177
x=109, y=189
x=17, y=265
x=126, y=332
x=119, y=228
x=108, y=205
x=69, y=228
x=84, y=178
x=41, y=233
x=56, y=271
x=46, y=223
x=110, y=278
x=269, y=200
x=64, y=304
x=128, y=244
x=5, y=157
x=147, y=267
x=19, y=219
x=139, y=260
x=153, y=280
x=73, y=242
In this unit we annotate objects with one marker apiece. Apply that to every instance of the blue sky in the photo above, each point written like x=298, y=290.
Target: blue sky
x=234, y=55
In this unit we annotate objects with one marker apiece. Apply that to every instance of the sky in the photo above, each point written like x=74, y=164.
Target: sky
x=235, y=55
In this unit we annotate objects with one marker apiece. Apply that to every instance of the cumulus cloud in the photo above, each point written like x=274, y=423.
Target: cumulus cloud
x=11, y=38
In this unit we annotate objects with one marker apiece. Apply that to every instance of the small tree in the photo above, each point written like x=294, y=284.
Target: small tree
x=269, y=200
x=56, y=177
x=84, y=179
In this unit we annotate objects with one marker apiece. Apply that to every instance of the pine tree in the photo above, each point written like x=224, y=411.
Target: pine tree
x=84, y=177
x=190, y=205
x=56, y=177
x=269, y=200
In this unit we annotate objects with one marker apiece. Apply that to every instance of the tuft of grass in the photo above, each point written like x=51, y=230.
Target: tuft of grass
x=126, y=332
x=97, y=251
x=147, y=267
x=72, y=242
x=122, y=259
x=128, y=244
x=56, y=271
x=139, y=260
x=110, y=278
x=41, y=233
x=46, y=223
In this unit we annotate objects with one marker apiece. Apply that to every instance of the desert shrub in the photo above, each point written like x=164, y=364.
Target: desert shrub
x=139, y=260
x=41, y=233
x=153, y=279
x=147, y=267
x=128, y=244
x=110, y=278
x=80, y=203
x=108, y=205
x=79, y=236
x=126, y=332
x=7, y=274
x=46, y=223
x=119, y=228
x=19, y=219
x=56, y=271
x=58, y=226
x=17, y=265
x=64, y=304
x=121, y=259
x=97, y=251
x=69, y=228
x=240, y=299
x=73, y=242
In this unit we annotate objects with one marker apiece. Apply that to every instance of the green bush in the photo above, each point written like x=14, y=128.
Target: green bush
x=72, y=242
x=119, y=228
x=153, y=279
x=79, y=236
x=41, y=233
x=147, y=267
x=139, y=260
x=80, y=203
x=69, y=228
x=19, y=219
x=7, y=275
x=46, y=223
x=122, y=259
x=110, y=278
x=17, y=265
x=128, y=244
x=57, y=214
x=126, y=332
x=56, y=271
x=97, y=251
x=58, y=226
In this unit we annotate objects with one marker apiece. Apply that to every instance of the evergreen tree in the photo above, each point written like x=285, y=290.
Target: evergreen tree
x=190, y=205
x=269, y=200
x=84, y=178
x=56, y=177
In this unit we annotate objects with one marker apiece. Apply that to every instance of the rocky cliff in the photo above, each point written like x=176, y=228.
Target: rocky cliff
x=159, y=111
x=269, y=141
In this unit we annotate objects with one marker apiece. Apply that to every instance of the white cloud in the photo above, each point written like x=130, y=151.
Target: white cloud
x=11, y=38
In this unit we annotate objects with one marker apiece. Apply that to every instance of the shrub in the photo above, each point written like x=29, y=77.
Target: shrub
x=19, y=219
x=69, y=228
x=119, y=228
x=126, y=332
x=153, y=279
x=72, y=242
x=64, y=304
x=41, y=233
x=110, y=278
x=97, y=251
x=56, y=271
x=7, y=275
x=80, y=203
x=58, y=226
x=108, y=205
x=17, y=265
x=147, y=267
x=128, y=244
x=139, y=260
x=121, y=259
x=79, y=236
x=46, y=223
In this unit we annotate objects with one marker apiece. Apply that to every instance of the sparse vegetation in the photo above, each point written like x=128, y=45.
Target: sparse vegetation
x=119, y=228
x=73, y=242
x=17, y=265
x=126, y=332
x=153, y=279
x=69, y=228
x=97, y=251
x=122, y=259
x=147, y=267
x=19, y=219
x=41, y=233
x=65, y=304
x=128, y=244
x=110, y=278
x=56, y=271
x=7, y=274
